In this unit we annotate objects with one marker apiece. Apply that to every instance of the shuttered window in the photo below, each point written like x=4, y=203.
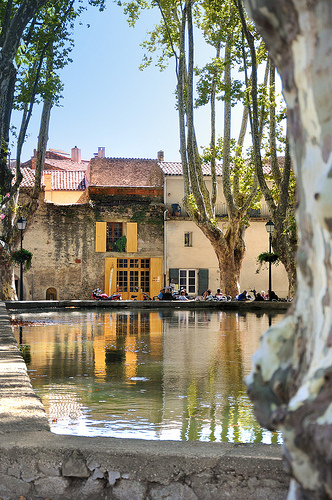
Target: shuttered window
x=116, y=237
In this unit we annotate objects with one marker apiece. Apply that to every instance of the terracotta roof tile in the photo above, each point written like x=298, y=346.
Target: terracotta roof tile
x=68, y=181
x=175, y=168
x=61, y=180
x=65, y=164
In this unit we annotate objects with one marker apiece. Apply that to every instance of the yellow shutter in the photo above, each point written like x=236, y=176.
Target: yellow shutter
x=110, y=275
x=131, y=236
x=156, y=275
x=100, y=236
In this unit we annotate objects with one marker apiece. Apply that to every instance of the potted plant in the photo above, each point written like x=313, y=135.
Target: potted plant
x=120, y=244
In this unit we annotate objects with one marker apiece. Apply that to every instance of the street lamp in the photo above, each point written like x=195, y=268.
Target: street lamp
x=269, y=226
x=21, y=223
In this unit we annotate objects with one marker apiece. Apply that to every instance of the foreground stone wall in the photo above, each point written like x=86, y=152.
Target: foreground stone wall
x=38, y=465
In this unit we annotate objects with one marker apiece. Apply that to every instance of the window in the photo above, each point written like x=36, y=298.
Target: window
x=113, y=234
x=116, y=237
x=122, y=280
x=138, y=273
x=188, y=239
x=188, y=280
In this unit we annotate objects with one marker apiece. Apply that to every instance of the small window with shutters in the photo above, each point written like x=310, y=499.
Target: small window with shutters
x=116, y=237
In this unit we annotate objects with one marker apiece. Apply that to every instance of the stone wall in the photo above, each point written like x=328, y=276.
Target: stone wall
x=62, y=240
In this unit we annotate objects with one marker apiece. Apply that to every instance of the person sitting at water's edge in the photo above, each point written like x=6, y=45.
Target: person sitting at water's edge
x=259, y=297
x=273, y=296
x=242, y=296
x=207, y=295
x=219, y=295
x=161, y=294
x=182, y=295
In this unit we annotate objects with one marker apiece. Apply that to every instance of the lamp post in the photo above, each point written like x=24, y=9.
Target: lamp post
x=21, y=223
x=269, y=226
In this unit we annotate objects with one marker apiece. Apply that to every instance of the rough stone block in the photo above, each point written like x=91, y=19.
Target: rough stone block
x=75, y=466
x=11, y=487
x=175, y=491
x=113, y=476
x=51, y=487
x=92, y=489
x=129, y=489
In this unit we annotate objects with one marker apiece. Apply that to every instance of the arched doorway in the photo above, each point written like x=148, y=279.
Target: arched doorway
x=51, y=294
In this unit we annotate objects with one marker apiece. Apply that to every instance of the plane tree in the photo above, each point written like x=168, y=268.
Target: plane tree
x=34, y=43
x=279, y=189
x=219, y=22
x=290, y=383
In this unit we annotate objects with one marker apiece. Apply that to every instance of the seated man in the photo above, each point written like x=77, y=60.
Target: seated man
x=258, y=297
x=242, y=296
x=273, y=296
x=161, y=294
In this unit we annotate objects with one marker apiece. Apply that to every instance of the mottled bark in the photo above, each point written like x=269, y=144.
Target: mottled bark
x=291, y=382
x=284, y=242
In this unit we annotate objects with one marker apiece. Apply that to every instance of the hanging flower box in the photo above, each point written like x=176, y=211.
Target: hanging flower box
x=23, y=257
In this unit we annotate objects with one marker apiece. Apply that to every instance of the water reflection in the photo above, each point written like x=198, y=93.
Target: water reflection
x=173, y=374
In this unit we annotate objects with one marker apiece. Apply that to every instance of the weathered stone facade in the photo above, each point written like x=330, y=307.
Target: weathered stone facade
x=62, y=240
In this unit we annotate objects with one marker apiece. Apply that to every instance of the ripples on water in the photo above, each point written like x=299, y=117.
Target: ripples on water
x=145, y=374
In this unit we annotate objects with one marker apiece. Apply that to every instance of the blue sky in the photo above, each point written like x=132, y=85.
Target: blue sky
x=109, y=102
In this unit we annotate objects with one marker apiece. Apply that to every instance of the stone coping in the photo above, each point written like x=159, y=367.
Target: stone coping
x=37, y=464
x=266, y=307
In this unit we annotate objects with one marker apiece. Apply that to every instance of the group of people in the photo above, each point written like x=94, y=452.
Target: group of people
x=166, y=294
x=259, y=296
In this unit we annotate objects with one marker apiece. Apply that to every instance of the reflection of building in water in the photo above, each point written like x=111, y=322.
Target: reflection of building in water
x=123, y=334
x=178, y=372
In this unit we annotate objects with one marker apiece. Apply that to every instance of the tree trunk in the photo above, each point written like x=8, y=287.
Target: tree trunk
x=7, y=285
x=291, y=382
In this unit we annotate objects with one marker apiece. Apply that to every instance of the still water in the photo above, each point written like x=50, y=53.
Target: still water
x=173, y=374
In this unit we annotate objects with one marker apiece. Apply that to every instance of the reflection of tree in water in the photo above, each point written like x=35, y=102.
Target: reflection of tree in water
x=237, y=413
x=225, y=379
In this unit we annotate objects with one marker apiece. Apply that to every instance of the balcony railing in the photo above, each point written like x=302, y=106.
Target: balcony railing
x=175, y=210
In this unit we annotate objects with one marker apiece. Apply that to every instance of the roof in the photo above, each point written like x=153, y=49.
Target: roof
x=60, y=180
x=67, y=181
x=134, y=172
x=175, y=168
x=65, y=164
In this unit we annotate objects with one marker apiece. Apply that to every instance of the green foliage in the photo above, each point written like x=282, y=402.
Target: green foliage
x=267, y=257
x=19, y=257
x=120, y=244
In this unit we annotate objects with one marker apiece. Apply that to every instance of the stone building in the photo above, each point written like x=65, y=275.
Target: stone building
x=119, y=224
x=111, y=238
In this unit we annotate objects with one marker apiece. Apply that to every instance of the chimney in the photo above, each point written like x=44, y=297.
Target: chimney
x=101, y=152
x=76, y=154
x=48, y=182
x=160, y=155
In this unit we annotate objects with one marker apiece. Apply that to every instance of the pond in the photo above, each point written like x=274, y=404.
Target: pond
x=158, y=375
